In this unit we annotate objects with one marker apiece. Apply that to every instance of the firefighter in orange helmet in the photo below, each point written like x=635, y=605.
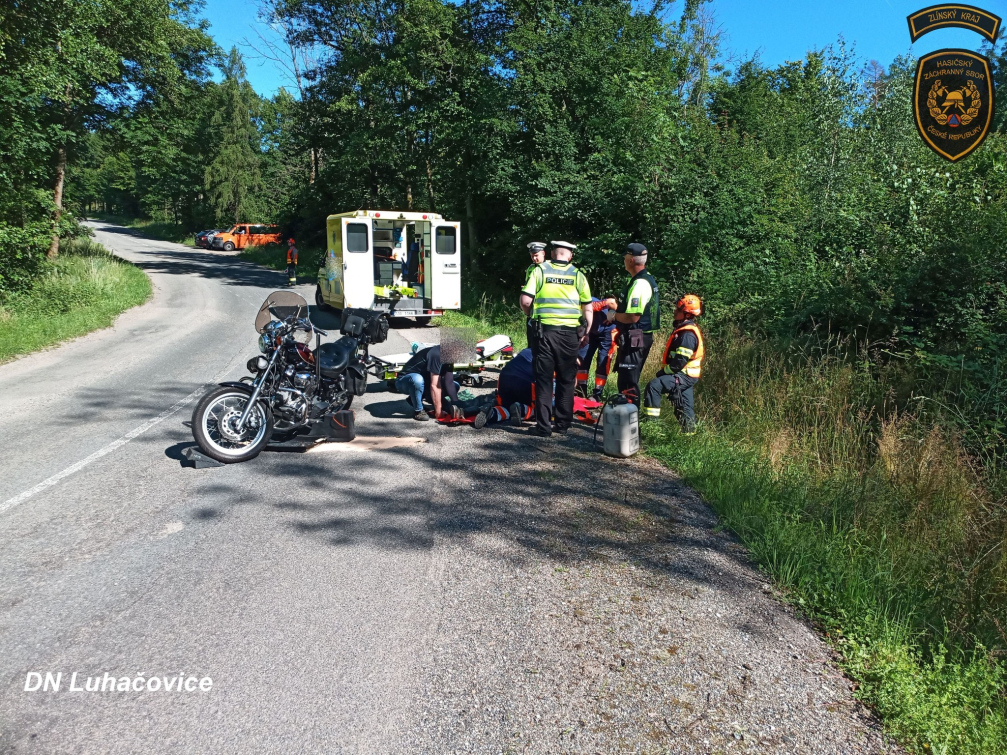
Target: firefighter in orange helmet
x=291, y=262
x=681, y=366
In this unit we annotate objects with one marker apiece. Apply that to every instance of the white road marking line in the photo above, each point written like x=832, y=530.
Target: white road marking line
x=21, y=498
x=73, y=468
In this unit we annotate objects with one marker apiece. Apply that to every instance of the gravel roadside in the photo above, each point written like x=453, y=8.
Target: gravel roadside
x=593, y=605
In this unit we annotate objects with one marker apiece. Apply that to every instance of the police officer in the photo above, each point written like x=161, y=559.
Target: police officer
x=557, y=298
x=636, y=319
x=681, y=365
x=537, y=251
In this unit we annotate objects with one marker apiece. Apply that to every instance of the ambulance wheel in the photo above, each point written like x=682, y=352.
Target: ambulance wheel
x=422, y=321
x=321, y=306
x=319, y=301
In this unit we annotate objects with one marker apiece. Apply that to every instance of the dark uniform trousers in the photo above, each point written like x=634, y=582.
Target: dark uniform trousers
x=678, y=387
x=555, y=353
x=629, y=362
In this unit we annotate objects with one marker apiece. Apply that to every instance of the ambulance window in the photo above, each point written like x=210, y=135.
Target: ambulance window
x=356, y=237
x=445, y=240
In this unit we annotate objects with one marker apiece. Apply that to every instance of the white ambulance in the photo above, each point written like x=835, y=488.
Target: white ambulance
x=404, y=263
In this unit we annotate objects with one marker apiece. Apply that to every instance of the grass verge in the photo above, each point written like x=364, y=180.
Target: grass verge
x=875, y=523
x=85, y=289
x=487, y=316
x=274, y=256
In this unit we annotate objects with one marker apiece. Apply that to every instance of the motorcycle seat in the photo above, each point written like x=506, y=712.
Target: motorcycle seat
x=334, y=357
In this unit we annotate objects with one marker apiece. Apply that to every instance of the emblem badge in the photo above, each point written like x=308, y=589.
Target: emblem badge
x=954, y=14
x=953, y=101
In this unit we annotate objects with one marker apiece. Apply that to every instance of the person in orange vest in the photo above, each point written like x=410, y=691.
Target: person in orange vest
x=681, y=366
x=291, y=262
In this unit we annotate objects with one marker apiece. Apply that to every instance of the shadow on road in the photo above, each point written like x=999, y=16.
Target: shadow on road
x=545, y=496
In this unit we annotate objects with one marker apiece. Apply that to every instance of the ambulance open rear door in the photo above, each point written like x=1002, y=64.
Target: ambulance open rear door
x=358, y=263
x=444, y=265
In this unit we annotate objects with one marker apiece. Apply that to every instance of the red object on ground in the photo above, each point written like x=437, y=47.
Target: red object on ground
x=446, y=420
x=582, y=409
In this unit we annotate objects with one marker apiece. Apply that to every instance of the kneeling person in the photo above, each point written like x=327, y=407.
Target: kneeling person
x=515, y=394
x=429, y=375
x=681, y=366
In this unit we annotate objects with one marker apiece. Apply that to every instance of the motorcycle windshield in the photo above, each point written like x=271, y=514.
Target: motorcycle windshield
x=280, y=305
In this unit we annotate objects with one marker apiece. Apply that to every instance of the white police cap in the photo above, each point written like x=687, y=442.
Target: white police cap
x=564, y=245
x=536, y=246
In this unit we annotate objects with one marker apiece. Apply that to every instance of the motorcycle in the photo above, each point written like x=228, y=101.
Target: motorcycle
x=293, y=390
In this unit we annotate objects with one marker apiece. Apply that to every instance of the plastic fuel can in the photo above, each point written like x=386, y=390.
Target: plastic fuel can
x=622, y=429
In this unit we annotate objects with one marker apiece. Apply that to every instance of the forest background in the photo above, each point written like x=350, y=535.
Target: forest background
x=853, y=404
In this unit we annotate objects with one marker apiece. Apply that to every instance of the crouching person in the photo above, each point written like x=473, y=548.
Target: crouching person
x=681, y=366
x=515, y=394
x=429, y=375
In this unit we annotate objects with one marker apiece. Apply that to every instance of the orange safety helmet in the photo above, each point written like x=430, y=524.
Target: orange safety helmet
x=690, y=304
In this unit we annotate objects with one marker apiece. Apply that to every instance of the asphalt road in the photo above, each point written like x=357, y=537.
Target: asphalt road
x=426, y=590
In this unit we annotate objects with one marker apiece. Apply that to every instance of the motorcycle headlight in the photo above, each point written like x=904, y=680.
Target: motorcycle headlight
x=257, y=364
x=264, y=341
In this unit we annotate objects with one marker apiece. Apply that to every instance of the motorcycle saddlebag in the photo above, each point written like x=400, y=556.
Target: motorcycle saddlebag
x=356, y=379
x=367, y=325
x=377, y=328
x=341, y=426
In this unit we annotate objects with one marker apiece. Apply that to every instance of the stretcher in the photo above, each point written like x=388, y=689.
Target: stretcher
x=492, y=354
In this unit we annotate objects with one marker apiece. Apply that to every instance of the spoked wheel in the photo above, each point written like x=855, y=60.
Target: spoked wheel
x=215, y=421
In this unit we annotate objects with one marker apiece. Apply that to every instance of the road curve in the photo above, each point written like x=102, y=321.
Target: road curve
x=434, y=590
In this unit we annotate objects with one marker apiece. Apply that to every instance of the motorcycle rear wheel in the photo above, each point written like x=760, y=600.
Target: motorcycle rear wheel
x=213, y=426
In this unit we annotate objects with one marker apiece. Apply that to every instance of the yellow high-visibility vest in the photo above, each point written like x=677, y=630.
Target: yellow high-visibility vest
x=561, y=289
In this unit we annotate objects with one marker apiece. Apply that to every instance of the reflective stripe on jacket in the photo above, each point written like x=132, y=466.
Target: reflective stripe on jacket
x=694, y=367
x=558, y=298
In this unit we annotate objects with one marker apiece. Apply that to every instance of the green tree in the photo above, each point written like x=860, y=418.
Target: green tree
x=232, y=178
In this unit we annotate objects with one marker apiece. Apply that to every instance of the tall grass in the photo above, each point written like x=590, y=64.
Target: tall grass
x=867, y=506
x=86, y=288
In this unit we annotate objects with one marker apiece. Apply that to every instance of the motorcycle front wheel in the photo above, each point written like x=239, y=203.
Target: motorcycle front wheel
x=214, y=426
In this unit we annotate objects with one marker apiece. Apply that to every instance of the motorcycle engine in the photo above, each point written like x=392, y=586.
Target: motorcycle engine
x=291, y=405
x=304, y=380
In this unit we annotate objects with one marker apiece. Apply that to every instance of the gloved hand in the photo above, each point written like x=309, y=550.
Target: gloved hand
x=610, y=316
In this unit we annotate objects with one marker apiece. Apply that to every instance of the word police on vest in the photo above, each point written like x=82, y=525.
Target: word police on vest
x=35, y=682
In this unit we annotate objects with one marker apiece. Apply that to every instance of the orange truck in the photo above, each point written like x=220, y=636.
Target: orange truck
x=244, y=235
